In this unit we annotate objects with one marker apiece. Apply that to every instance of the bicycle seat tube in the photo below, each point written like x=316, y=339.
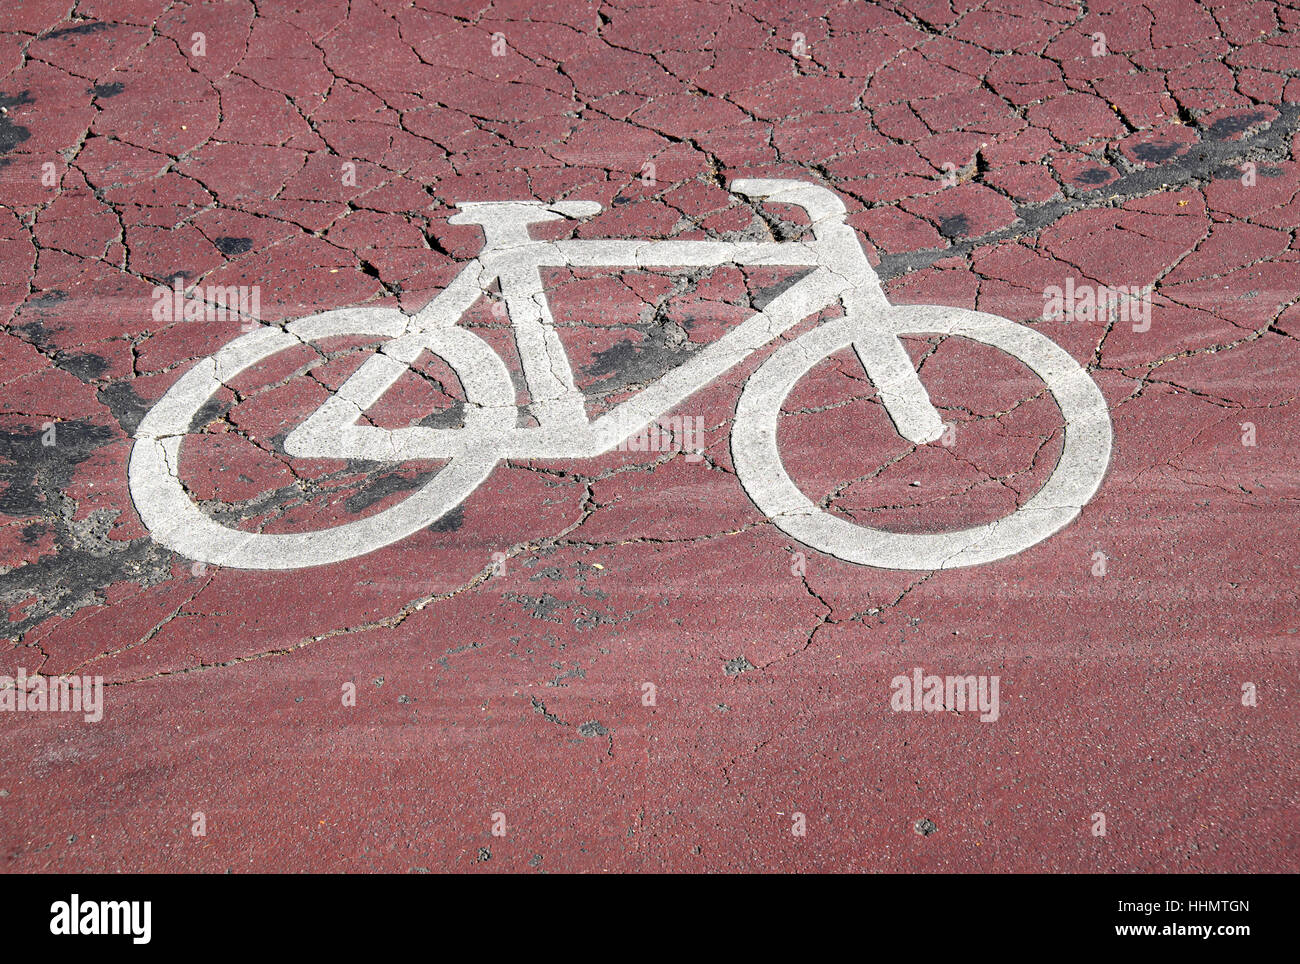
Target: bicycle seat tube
x=510, y=255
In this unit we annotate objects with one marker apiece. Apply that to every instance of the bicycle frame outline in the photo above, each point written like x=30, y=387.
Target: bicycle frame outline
x=840, y=272
x=870, y=326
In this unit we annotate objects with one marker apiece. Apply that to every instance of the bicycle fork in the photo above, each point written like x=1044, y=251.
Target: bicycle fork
x=879, y=349
x=890, y=369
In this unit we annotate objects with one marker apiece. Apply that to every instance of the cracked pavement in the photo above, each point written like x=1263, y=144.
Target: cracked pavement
x=499, y=658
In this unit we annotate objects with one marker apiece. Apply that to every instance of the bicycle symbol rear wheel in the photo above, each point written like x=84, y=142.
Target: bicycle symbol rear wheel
x=1074, y=480
x=174, y=520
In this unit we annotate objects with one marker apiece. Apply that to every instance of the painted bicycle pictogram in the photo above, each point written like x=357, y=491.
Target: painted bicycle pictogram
x=839, y=272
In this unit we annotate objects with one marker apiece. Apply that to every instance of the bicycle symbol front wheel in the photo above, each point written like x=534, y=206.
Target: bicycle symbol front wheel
x=1075, y=479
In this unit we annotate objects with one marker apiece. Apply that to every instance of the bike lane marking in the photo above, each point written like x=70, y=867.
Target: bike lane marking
x=870, y=327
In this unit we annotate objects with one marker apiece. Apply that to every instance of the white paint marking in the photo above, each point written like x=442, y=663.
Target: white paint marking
x=841, y=273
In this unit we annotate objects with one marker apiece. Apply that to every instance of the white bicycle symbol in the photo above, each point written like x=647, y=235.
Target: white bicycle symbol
x=490, y=432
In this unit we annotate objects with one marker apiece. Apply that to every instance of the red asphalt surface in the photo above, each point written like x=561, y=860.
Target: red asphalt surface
x=519, y=690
